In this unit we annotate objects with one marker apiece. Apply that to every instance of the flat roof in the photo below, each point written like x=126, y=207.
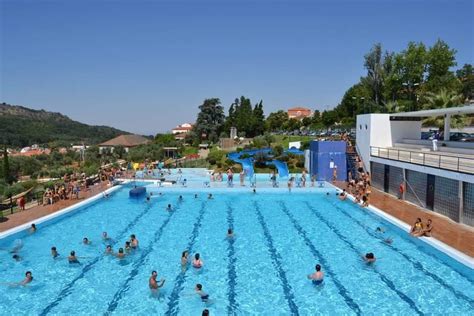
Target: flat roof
x=467, y=109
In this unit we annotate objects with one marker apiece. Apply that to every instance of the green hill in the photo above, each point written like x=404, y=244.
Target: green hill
x=21, y=126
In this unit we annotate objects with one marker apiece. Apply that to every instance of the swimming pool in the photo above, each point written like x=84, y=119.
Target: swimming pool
x=279, y=237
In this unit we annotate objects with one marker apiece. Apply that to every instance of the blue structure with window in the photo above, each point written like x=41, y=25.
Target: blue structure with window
x=325, y=156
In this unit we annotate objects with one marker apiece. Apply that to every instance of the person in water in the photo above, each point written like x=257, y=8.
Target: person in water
x=203, y=295
x=109, y=250
x=180, y=199
x=28, y=278
x=54, y=252
x=369, y=258
x=209, y=197
x=120, y=254
x=343, y=195
x=195, y=196
x=153, y=284
x=86, y=241
x=205, y=312
x=230, y=233
x=197, y=262
x=317, y=277
x=33, y=228
x=184, y=258
x=169, y=208
x=72, y=257
x=133, y=241
x=16, y=257
x=128, y=247
x=105, y=236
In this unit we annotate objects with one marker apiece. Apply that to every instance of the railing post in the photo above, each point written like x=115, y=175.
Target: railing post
x=410, y=156
x=461, y=201
x=458, y=164
x=439, y=161
x=424, y=159
x=398, y=154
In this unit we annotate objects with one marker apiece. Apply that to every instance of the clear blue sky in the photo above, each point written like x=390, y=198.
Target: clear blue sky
x=145, y=66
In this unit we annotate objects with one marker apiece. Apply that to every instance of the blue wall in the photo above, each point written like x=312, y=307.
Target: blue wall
x=322, y=154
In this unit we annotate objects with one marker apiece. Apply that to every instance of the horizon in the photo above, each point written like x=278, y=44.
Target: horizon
x=101, y=63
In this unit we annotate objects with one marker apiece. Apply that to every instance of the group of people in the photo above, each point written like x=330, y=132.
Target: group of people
x=419, y=230
x=360, y=187
x=62, y=192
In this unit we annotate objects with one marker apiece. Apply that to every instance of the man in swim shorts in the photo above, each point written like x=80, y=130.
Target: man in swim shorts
x=153, y=284
x=318, y=276
x=204, y=296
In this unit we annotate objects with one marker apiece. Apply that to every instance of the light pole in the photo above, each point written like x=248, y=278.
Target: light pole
x=410, y=87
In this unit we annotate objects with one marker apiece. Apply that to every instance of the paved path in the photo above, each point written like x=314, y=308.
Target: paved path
x=38, y=211
x=456, y=235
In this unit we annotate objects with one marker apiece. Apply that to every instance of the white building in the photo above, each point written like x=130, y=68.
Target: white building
x=441, y=180
x=182, y=129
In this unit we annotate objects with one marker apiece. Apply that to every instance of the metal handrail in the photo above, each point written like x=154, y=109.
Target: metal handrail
x=421, y=158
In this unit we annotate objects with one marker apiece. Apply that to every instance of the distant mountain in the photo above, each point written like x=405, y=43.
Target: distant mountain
x=21, y=126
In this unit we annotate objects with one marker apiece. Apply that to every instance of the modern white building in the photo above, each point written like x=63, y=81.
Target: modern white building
x=438, y=177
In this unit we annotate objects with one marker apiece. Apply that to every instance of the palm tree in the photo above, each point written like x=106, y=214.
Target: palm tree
x=443, y=99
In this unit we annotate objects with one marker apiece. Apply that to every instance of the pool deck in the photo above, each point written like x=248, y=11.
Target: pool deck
x=458, y=236
x=37, y=211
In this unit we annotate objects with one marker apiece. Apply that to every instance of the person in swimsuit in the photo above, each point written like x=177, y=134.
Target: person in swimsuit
x=153, y=284
x=209, y=197
x=28, y=278
x=180, y=199
x=169, y=208
x=417, y=228
x=109, y=250
x=428, y=228
x=54, y=252
x=195, y=196
x=230, y=233
x=184, y=258
x=133, y=241
x=343, y=195
x=86, y=241
x=197, y=262
x=205, y=312
x=128, y=247
x=16, y=257
x=72, y=257
x=33, y=228
x=120, y=254
x=318, y=276
x=204, y=296
x=369, y=258
x=105, y=236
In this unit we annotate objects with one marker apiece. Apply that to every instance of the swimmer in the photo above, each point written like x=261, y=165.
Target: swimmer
x=105, y=236
x=197, y=262
x=327, y=193
x=169, y=208
x=16, y=257
x=109, y=250
x=18, y=244
x=133, y=241
x=33, y=228
x=205, y=312
x=318, y=276
x=86, y=241
x=153, y=284
x=195, y=196
x=184, y=258
x=120, y=254
x=28, y=278
x=72, y=257
x=54, y=252
x=388, y=240
x=180, y=199
x=148, y=199
x=230, y=233
x=128, y=247
x=343, y=195
x=209, y=197
x=379, y=230
x=369, y=258
x=254, y=191
x=203, y=295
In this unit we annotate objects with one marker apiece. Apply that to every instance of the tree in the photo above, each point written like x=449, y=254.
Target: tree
x=466, y=76
x=440, y=58
x=329, y=118
x=375, y=71
x=258, y=119
x=443, y=99
x=210, y=120
x=275, y=120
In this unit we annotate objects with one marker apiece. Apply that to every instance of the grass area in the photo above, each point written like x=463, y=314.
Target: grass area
x=284, y=140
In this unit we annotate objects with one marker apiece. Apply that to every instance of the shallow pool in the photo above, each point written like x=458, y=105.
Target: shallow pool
x=279, y=237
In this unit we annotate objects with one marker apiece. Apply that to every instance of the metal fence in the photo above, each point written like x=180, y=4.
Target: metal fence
x=447, y=162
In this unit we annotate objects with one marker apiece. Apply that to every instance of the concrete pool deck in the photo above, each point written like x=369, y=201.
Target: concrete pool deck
x=38, y=211
x=458, y=236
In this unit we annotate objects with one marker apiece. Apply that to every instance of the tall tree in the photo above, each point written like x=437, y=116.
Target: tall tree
x=258, y=119
x=440, y=59
x=275, y=120
x=466, y=76
x=210, y=120
x=375, y=71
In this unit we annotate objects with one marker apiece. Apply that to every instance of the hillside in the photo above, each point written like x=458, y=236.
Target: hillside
x=21, y=126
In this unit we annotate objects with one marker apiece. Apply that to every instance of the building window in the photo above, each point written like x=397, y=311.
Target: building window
x=365, y=126
x=360, y=126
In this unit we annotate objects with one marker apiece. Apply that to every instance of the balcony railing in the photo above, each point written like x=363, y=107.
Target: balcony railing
x=440, y=161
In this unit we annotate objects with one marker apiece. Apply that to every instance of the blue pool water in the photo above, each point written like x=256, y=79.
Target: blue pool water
x=279, y=237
